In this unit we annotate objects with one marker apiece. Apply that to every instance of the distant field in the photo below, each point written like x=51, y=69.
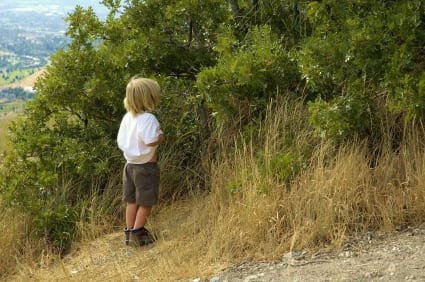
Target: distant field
x=16, y=106
x=10, y=110
x=27, y=81
x=16, y=76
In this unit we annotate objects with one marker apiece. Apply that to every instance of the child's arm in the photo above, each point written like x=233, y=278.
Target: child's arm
x=160, y=140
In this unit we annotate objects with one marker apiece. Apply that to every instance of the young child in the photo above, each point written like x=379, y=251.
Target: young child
x=138, y=137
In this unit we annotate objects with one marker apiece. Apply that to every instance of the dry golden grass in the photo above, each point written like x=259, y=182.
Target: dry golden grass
x=9, y=238
x=249, y=214
x=17, y=248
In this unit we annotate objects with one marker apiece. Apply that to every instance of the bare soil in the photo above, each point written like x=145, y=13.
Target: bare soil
x=392, y=257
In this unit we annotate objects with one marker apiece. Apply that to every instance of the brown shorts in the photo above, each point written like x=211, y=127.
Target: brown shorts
x=141, y=183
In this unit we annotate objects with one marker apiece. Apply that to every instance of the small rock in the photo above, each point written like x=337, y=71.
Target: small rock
x=410, y=278
x=197, y=280
x=346, y=254
x=374, y=274
x=253, y=277
x=347, y=246
x=294, y=256
x=391, y=269
x=74, y=271
x=369, y=236
x=215, y=279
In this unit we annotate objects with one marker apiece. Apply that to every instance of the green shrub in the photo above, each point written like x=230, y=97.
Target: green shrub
x=56, y=223
x=340, y=118
x=285, y=165
x=247, y=75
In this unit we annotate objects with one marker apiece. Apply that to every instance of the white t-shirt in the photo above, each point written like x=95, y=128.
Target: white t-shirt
x=134, y=133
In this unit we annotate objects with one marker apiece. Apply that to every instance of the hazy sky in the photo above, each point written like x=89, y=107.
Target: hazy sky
x=42, y=15
x=46, y=6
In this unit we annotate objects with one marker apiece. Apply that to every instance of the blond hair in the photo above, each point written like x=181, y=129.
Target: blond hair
x=141, y=95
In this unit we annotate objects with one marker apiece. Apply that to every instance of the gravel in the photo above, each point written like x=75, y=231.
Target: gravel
x=399, y=256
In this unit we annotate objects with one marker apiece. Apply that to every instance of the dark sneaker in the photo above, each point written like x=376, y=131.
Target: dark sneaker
x=142, y=237
x=127, y=236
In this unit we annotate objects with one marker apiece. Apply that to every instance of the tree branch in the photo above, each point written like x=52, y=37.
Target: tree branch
x=234, y=5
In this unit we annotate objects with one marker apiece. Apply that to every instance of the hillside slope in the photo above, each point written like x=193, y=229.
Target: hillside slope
x=26, y=82
x=390, y=257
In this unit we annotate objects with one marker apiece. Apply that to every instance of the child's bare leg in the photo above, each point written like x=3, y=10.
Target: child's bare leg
x=142, y=215
x=130, y=215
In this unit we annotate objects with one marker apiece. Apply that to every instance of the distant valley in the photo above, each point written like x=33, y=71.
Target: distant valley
x=30, y=31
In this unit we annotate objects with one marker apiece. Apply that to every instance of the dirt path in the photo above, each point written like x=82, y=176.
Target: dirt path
x=397, y=257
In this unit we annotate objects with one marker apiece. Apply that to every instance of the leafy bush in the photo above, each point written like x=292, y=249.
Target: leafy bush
x=285, y=165
x=340, y=118
x=180, y=155
x=57, y=224
x=55, y=163
x=247, y=74
x=358, y=53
